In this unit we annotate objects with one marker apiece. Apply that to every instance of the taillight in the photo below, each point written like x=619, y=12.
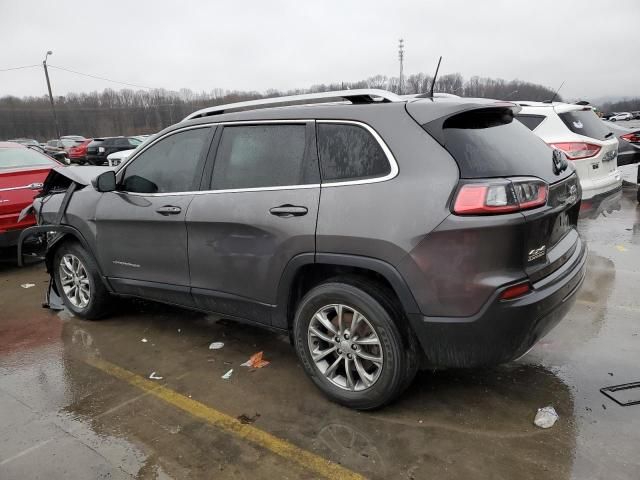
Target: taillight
x=500, y=196
x=577, y=150
x=633, y=137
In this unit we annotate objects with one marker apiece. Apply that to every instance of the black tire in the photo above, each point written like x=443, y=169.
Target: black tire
x=99, y=298
x=398, y=347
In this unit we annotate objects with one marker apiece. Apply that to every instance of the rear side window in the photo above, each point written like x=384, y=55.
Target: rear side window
x=489, y=143
x=260, y=156
x=173, y=164
x=349, y=152
x=530, y=121
x=585, y=122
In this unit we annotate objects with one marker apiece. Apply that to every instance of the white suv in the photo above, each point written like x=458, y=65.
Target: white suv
x=578, y=132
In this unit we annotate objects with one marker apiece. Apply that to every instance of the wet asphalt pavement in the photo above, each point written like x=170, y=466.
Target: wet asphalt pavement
x=74, y=402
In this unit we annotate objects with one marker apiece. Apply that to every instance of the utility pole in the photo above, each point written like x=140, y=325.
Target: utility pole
x=53, y=107
x=401, y=58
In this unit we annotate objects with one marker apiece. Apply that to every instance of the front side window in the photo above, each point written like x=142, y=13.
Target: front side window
x=260, y=156
x=350, y=152
x=171, y=165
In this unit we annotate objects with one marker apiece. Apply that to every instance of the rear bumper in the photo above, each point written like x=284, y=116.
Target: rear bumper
x=592, y=188
x=503, y=330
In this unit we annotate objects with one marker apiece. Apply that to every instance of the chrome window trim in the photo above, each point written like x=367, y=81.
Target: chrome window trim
x=390, y=158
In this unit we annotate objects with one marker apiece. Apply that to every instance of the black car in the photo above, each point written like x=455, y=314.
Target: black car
x=100, y=148
x=383, y=235
x=628, y=144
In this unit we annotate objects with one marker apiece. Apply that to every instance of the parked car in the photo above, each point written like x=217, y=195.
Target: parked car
x=100, y=148
x=628, y=144
x=621, y=116
x=78, y=153
x=60, y=156
x=383, y=235
x=22, y=172
x=64, y=144
x=116, y=158
x=579, y=134
x=636, y=115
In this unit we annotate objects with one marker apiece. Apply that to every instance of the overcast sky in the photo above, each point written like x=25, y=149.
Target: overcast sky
x=260, y=44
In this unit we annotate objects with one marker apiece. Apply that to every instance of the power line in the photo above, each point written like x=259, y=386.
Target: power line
x=18, y=68
x=101, y=78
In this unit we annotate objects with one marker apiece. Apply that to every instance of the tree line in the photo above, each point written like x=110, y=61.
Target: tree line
x=130, y=112
x=627, y=105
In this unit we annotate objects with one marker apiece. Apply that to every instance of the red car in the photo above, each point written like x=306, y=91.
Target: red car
x=22, y=172
x=78, y=153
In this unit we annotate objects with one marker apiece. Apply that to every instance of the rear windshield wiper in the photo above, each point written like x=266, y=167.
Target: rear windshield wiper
x=608, y=135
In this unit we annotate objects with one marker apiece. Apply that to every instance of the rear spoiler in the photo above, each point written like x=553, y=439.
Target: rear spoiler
x=437, y=111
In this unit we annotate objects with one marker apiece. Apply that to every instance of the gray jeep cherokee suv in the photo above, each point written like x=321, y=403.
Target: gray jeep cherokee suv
x=384, y=234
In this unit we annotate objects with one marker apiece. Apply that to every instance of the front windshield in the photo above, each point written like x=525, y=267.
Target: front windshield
x=22, y=157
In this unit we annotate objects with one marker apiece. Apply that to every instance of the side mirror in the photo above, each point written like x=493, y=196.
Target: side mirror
x=105, y=182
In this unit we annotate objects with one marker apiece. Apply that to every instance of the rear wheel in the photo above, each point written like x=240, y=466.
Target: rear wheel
x=350, y=345
x=78, y=282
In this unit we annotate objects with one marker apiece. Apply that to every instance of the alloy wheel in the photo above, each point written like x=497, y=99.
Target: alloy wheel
x=345, y=347
x=74, y=280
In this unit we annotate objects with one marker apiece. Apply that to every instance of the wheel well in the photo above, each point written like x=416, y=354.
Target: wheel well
x=308, y=276
x=64, y=239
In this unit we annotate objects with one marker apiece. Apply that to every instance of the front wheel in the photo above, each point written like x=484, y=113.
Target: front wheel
x=349, y=343
x=78, y=282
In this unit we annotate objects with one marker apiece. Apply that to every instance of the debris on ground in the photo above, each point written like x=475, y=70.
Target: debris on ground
x=28, y=285
x=227, y=375
x=246, y=420
x=216, y=346
x=255, y=361
x=153, y=376
x=546, y=417
x=144, y=340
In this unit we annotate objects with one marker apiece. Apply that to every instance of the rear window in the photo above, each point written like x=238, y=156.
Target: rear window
x=530, y=121
x=489, y=143
x=349, y=152
x=22, y=157
x=585, y=122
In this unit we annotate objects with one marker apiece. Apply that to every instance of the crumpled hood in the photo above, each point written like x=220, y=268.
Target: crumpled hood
x=81, y=175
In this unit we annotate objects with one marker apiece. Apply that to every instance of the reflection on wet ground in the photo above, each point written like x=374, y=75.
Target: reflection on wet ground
x=62, y=418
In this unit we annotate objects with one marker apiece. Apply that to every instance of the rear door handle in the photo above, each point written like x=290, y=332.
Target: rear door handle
x=288, y=211
x=169, y=210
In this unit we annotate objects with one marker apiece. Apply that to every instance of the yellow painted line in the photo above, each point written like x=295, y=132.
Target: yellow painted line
x=304, y=458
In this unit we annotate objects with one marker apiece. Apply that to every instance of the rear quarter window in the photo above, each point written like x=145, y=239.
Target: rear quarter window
x=350, y=152
x=585, y=122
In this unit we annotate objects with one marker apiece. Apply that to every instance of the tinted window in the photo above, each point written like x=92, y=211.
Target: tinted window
x=122, y=142
x=254, y=156
x=488, y=143
x=23, y=157
x=585, y=122
x=171, y=165
x=530, y=121
x=349, y=152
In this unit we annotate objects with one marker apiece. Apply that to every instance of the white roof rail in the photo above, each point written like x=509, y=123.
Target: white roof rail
x=364, y=95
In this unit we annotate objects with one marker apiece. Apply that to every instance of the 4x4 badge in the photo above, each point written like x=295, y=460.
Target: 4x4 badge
x=537, y=253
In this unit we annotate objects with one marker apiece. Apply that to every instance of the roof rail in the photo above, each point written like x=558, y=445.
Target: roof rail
x=364, y=95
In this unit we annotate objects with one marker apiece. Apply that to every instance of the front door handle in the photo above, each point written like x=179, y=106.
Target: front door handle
x=288, y=211
x=169, y=210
